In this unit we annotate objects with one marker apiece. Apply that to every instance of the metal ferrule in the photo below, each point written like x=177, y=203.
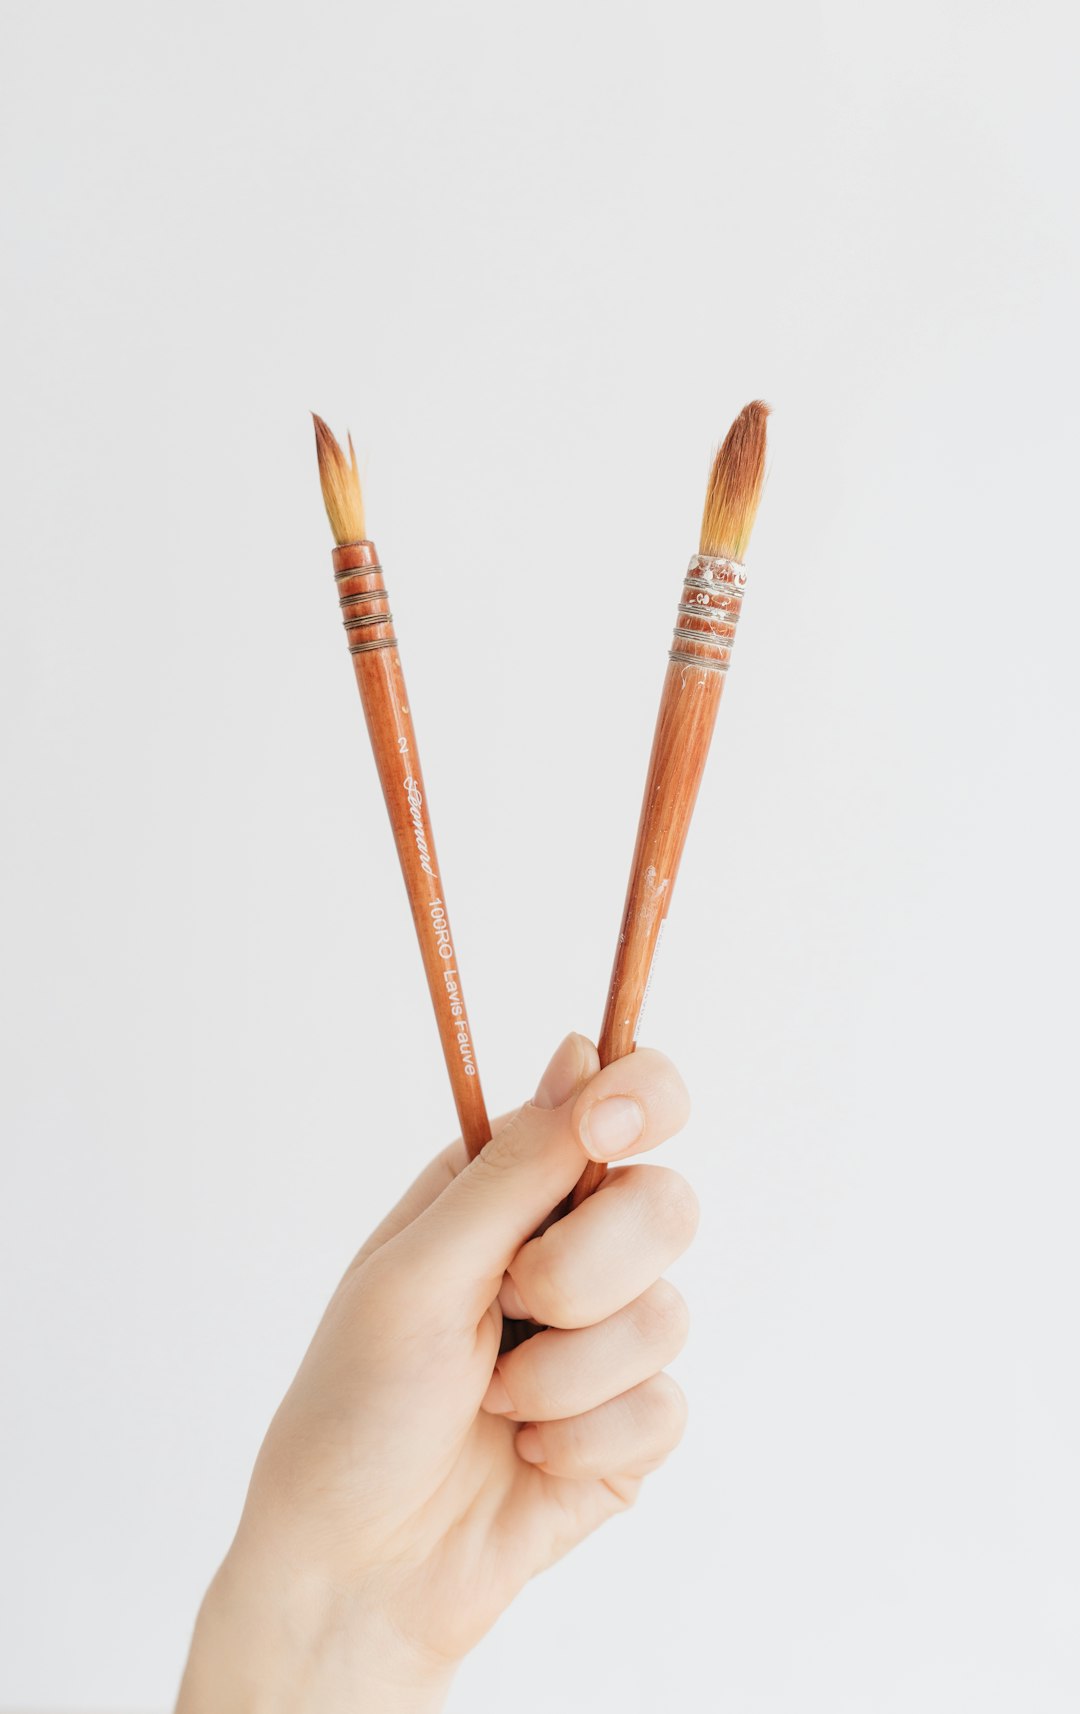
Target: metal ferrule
x=708, y=613
x=365, y=610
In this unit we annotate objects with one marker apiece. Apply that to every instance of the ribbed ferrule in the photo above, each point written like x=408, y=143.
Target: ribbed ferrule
x=708, y=613
x=365, y=610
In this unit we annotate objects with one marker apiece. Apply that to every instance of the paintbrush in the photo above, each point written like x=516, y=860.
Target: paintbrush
x=697, y=668
x=373, y=646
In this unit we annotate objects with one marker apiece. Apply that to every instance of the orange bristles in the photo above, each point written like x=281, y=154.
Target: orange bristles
x=340, y=481
x=735, y=485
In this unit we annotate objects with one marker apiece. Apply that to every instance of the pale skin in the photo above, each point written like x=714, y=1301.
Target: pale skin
x=413, y=1480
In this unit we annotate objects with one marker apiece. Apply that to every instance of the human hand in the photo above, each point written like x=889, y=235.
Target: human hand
x=413, y=1480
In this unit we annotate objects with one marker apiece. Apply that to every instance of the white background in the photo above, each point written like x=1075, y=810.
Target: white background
x=537, y=258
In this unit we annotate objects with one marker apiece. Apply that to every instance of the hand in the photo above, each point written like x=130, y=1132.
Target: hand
x=413, y=1480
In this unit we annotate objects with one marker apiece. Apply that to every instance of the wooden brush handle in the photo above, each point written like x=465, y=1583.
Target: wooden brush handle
x=698, y=663
x=370, y=632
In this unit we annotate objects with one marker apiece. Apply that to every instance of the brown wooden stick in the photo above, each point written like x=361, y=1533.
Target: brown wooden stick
x=381, y=682
x=699, y=658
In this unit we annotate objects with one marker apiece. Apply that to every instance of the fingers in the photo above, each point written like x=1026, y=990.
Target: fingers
x=607, y=1252
x=421, y=1193
x=426, y=1187
x=560, y=1374
x=572, y=1064
x=632, y=1105
x=457, y=1248
x=570, y=1061
x=628, y=1436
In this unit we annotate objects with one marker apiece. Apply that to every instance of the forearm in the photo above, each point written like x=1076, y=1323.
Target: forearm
x=265, y=1644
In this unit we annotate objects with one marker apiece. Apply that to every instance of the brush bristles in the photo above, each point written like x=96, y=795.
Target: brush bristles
x=738, y=471
x=340, y=480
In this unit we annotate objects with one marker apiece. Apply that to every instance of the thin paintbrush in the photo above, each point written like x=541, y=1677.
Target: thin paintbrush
x=373, y=646
x=697, y=665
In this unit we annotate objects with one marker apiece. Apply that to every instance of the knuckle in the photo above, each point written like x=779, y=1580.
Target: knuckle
x=662, y=1317
x=669, y=1080
x=670, y=1407
x=540, y=1275
x=676, y=1208
x=507, y=1147
x=529, y=1383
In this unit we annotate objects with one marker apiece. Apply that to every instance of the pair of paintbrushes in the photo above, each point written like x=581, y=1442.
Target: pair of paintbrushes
x=697, y=665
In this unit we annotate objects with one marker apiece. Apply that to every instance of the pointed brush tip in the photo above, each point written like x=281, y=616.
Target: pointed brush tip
x=339, y=479
x=325, y=444
x=735, y=479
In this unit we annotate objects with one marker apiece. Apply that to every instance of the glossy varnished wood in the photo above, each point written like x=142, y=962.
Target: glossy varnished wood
x=684, y=728
x=381, y=682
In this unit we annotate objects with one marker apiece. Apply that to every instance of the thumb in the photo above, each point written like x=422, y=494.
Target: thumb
x=458, y=1249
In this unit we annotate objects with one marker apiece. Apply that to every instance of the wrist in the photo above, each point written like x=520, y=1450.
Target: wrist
x=269, y=1640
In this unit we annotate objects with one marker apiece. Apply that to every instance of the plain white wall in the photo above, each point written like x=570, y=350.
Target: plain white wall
x=537, y=258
